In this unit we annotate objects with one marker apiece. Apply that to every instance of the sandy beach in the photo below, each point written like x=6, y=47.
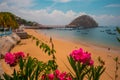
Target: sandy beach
x=63, y=49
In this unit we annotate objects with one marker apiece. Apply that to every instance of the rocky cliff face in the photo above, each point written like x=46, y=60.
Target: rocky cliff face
x=83, y=21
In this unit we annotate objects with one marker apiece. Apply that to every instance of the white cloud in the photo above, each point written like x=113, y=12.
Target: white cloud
x=55, y=17
x=107, y=20
x=113, y=5
x=44, y=17
x=18, y=3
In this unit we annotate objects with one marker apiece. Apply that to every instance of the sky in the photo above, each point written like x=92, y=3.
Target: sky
x=62, y=12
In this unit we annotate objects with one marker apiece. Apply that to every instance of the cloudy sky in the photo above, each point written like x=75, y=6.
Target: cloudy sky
x=62, y=12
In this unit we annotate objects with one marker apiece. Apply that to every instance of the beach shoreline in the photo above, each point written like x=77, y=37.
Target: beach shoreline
x=63, y=49
x=85, y=43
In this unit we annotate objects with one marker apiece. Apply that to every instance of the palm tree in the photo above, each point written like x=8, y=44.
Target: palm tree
x=8, y=20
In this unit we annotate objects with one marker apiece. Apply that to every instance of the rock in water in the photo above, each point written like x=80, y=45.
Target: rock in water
x=83, y=21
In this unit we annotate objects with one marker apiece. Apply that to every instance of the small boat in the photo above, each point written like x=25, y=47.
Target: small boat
x=101, y=31
x=84, y=33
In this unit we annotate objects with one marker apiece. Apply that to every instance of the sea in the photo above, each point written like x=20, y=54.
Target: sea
x=101, y=36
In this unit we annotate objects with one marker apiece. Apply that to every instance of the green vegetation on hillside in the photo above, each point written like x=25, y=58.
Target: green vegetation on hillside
x=25, y=22
x=8, y=20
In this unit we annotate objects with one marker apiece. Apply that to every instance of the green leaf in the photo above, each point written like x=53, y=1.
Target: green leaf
x=41, y=45
x=118, y=29
x=15, y=75
x=53, y=51
x=69, y=69
x=21, y=64
x=7, y=77
x=33, y=38
x=116, y=59
x=72, y=63
x=102, y=70
x=37, y=73
x=97, y=72
x=118, y=39
x=37, y=43
x=46, y=50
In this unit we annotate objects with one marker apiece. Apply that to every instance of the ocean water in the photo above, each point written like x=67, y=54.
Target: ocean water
x=103, y=36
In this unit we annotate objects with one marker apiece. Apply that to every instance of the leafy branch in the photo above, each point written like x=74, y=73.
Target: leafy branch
x=47, y=49
x=44, y=46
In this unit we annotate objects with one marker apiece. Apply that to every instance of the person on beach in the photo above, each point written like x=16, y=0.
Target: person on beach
x=109, y=49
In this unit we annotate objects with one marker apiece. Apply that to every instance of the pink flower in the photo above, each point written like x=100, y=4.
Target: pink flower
x=10, y=58
x=76, y=54
x=19, y=55
x=57, y=72
x=43, y=77
x=91, y=62
x=51, y=76
x=81, y=56
x=68, y=78
x=62, y=76
x=58, y=76
x=85, y=58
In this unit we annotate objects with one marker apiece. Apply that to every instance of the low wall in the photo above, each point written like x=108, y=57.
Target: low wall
x=8, y=42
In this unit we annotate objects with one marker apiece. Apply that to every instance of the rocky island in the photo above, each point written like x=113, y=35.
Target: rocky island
x=83, y=21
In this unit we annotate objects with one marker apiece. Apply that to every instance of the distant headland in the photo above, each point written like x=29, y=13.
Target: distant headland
x=83, y=21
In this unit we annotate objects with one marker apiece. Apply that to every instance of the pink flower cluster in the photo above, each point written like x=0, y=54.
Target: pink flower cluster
x=82, y=56
x=12, y=58
x=19, y=55
x=57, y=75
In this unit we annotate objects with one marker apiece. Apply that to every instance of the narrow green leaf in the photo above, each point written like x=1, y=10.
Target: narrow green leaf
x=69, y=69
x=103, y=69
x=118, y=29
x=33, y=38
x=37, y=73
x=118, y=39
x=37, y=43
x=15, y=76
x=21, y=64
x=72, y=63
x=7, y=77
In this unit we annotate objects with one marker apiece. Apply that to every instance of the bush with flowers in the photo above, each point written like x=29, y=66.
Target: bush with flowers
x=83, y=65
x=32, y=69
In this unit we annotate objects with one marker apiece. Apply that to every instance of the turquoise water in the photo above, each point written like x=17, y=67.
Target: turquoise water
x=5, y=33
x=104, y=36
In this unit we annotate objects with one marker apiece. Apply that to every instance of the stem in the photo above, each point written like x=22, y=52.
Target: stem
x=116, y=69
